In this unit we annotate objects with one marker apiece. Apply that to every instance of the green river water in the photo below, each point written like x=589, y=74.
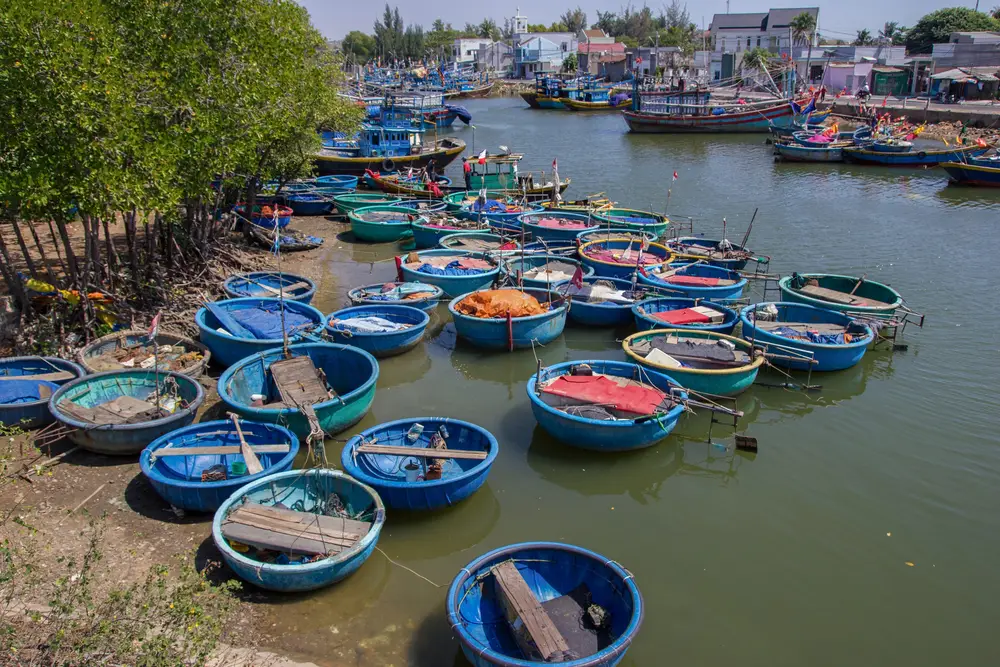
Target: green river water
x=798, y=555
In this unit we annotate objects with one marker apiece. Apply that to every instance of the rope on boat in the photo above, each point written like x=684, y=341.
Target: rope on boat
x=411, y=571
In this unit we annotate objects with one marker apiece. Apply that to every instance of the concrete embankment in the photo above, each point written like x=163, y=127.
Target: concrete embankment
x=919, y=111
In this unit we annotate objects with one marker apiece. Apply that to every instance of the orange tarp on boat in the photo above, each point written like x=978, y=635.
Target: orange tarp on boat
x=499, y=302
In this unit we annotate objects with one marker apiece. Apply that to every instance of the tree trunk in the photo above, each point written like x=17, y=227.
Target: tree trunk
x=114, y=262
x=74, y=266
x=41, y=253
x=133, y=255
x=14, y=284
x=16, y=224
x=55, y=244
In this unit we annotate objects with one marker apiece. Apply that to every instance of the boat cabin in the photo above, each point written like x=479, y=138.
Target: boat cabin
x=671, y=102
x=500, y=173
x=389, y=141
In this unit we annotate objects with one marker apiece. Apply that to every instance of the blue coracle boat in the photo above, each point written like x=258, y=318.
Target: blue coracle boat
x=401, y=479
x=338, y=180
x=309, y=203
x=645, y=315
x=349, y=513
x=27, y=384
x=383, y=330
x=627, y=256
x=542, y=271
x=270, y=284
x=116, y=412
x=562, y=577
x=178, y=477
x=557, y=225
x=558, y=248
x=423, y=206
x=349, y=372
x=801, y=336
x=697, y=281
x=519, y=332
x=424, y=295
x=453, y=279
x=716, y=252
x=602, y=311
x=252, y=325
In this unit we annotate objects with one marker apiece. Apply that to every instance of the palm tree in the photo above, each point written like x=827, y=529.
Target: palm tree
x=891, y=33
x=757, y=58
x=864, y=38
x=802, y=27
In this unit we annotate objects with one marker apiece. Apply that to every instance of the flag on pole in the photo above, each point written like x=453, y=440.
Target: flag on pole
x=555, y=164
x=154, y=327
x=482, y=157
x=674, y=178
x=577, y=279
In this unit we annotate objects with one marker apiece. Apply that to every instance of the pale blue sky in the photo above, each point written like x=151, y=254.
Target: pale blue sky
x=838, y=20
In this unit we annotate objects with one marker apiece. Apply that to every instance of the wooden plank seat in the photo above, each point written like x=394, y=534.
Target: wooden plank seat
x=299, y=382
x=818, y=327
x=537, y=635
x=287, y=289
x=423, y=452
x=120, y=410
x=291, y=532
x=219, y=450
x=844, y=298
x=60, y=376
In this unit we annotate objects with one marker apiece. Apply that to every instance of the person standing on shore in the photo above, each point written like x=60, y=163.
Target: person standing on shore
x=467, y=172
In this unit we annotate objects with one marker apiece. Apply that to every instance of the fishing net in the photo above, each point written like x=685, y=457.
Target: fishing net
x=497, y=303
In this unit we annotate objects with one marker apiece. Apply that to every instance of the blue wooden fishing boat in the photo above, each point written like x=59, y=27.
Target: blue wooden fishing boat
x=416, y=295
x=27, y=383
x=565, y=580
x=120, y=412
x=542, y=271
x=722, y=253
x=697, y=281
x=679, y=313
x=235, y=328
x=331, y=191
x=800, y=336
x=603, y=302
x=619, y=258
x=500, y=208
x=384, y=330
x=607, y=233
x=912, y=158
x=131, y=348
x=512, y=333
x=858, y=137
x=289, y=240
x=429, y=230
x=270, y=284
x=698, y=360
x=973, y=174
x=382, y=224
x=338, y=180
x=605, y=405
x=859, y=296
x=449, y=270
x=341, y=387
x=557, y=225
x=394, y=459
x=309, y=203
x=258, y=530
x=985, y=160
x=196, y=468
x=800, y=153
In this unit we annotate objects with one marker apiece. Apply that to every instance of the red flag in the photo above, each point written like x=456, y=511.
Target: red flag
x=884, y=101
x=577, y=279
x=675, y=176
x=482, y=157
x=399, y=268
x=555, y=164
x=154, y=328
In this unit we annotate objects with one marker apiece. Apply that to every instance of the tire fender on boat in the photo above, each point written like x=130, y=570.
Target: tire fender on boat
x=921, y=155
x=388, y=164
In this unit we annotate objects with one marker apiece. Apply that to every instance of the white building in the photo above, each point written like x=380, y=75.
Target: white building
x=732, y=35
x=464, y=50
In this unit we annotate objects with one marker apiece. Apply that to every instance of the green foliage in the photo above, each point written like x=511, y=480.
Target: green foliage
x=802, y=26
x=570, y=63
x=639, y=25
x=756, y=58
x=936, y=27
x=864, y=38
x=488, y=29
x=360, y=46
x=892, y=33
x=575, y=20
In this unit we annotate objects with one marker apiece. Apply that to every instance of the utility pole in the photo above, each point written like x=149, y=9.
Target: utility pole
x=809, y=55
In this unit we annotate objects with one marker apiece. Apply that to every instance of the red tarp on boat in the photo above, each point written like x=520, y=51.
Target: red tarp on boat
x=599, y=389
x=693, y=281
x=681, y=316
x=562, y=223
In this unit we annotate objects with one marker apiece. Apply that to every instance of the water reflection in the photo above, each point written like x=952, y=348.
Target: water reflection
x=405, y=368
x=964, y=196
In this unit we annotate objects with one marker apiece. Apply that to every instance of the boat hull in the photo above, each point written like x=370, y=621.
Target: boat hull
x=601, y=314
x=241, y=285
x=569, y=234
x=347, y=203
x=798, y=153
x=866, y=288
x=31, y=414
x=520, y=332
x=634, y=220
x=730, y=264
x=970, y=174
x=644, y=310
x=426, y=304
x=442, y=155
x=387, y=344
x=715, y=293
x=515, y=267
x=227, y=350
x=451, y=285
x=132, y=337
x=911, y=159
x=382, y=231
x=622, y=269
x=758, y=120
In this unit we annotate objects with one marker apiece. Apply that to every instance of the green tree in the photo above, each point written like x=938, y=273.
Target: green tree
x=389, y=34
x=677, y=16
x=863, y=38
x=440, y=37
x=358, y=45
x=892, y=33
x=936, y=27
x=569, y=63
x=802, y=25
x=757, y=58
x=575, y=20
x=488, y=29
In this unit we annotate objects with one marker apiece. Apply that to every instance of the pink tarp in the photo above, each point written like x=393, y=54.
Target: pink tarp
x=601, y=390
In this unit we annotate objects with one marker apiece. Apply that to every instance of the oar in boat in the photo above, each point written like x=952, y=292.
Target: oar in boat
x=858, y=284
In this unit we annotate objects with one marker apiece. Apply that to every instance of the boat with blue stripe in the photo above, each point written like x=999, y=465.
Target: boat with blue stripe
x=603, y=302
x=800, y=153
x=384, y=330
x=913, y=157
x=633, y=219
x=974, y=174
x=414, y=294
x=407, y=461
x=235, y=328
x=621, y=258
x=557, y=225
x=309, y=203
x=26, y=385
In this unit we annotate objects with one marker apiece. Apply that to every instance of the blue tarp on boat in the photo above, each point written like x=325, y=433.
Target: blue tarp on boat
x=452, y=269
x=264, y=322
x=813, y=336
x=370, y=324
x=24, y=391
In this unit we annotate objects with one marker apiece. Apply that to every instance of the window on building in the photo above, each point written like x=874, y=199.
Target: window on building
x=758, y=41
x=739, y=45
x=564, y=46
x=748, y=42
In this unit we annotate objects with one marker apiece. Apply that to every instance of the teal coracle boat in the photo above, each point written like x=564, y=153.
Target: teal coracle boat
x=249, y=389
x=633, y=219
x=348, y=202
x=120, y=412
x=844, y=293
x=383, y=224
x=705, y=364
x=454, y=271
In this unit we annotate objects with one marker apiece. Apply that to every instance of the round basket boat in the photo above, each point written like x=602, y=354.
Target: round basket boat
x=627, y=430
x=636, y=220
x=27, y=384
x=551, y=571
x=517, y=332
x=310, y=493
x=424, y=206
x=558, y=225
x=844, y=293
x=697, y=281
x=179, y=477
x=424, y=295
x=355, y=200
x=557, y=270
x=114, y=412
x=559, y=248
x=338, y=181
x=428, y=231
x=483, y=242
x=379, y=343
x=707, y=250
x=607, y=312
x=270, y=284
x=309, y=203
x=677, y=313
x=608, y=233
x=453, y=282
x=725, y=373
x=227, y=348
x=90, y=356
x=402, y=479
x=382, y=224
x=350, y=373
x=619, y=258
x=265, y=216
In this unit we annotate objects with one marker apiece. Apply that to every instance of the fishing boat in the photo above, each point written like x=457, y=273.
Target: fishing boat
x=607, y=406
x=382, y=224
x=621, y=258
x=298, y=530
x=330, y=383
x=429, y=230
x=132, y=348
x=722, y=253
x=691, y=111
x=588, y=604
x=509, y=319
x=266, y=216
x=27, y=384
x=911, y=158
x=500, y=173
x=608, y=233
x=421, y=463
x=388, y=149
x=823, y=136
x=453, y=271
x=424, y=206
x=235, y=328
x=706, y=362
x=120, y=412
x=972, y=174
x=289, y=240
x=402, y=185
x=602, y=302
x=196, y=468
x=859, y=296
x=338, y=181
x=675, y=313
x=414, y=294
x=309, y=203
x=696, y=280
x=799, y=153
x=599, y=100
x=557, y=225
x=384, y=330
x=270, y=284
x=804, y=337
x=479, y=242
x=542, y=271
x=355, y=200
x=634, y=220
x=499, y=209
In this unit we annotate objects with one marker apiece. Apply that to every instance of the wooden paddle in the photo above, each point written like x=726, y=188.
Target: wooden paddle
x=253, y=463
x=860, y=280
